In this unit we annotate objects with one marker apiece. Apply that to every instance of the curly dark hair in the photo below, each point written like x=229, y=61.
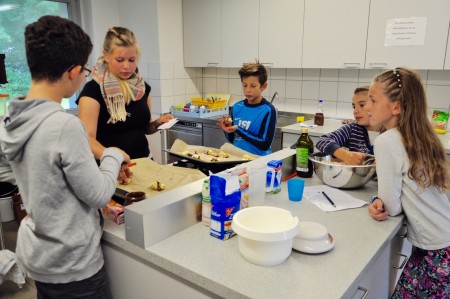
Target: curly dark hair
x=54, y=44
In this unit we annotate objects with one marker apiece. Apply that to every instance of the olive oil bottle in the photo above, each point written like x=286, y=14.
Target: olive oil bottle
x=304, y=148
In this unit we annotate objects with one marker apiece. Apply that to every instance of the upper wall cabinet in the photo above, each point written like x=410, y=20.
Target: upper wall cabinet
x=201, y=33
x=447, y=56
x=335, y=33
x=240, y=21
x=411, y=33
x=280, y=33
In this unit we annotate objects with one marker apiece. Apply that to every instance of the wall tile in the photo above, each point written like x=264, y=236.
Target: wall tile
x=191, y=87
x=329, y=75
x=222, y=73
x=154, y=70
x=222, y=85
x=293, y=89
x=424, y=75
x=348, y=75
x=179, y=87
x=311, y=74
x=192, y=72
x=438, y=78
x=156, y=105
x=166, y=70
x=179, y=71
x=210, y=72
x=310, y=90
x=309, y=106
x=210, y=85
x=294, y=74
x=345, y=91
x=344, y=110
x=166, y=87
x=235, y=86
x=277, y=74
x=156, y=87
x=143, y=69
x=279, y=104
x=438, y=96
x=166, y=103
x=233, y=73
x=366, y=76
x=328, y=91
x=277, y=86
x=329, y=109
x=292, y=105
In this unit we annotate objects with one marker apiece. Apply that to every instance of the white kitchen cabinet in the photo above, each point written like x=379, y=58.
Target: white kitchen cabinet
x=335, y=33
x=240, y=35
x=201, y=33
x=428, y=56
x=447, y=56
x=280, y=33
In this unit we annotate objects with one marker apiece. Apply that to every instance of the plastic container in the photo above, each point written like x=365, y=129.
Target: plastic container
x=273, y=182
x=6, y=209
x=265, y=234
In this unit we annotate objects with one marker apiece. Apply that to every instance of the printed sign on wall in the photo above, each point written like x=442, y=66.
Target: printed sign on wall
x=405, y=32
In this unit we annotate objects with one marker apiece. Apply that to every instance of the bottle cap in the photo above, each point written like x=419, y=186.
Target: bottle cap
x=304, y=130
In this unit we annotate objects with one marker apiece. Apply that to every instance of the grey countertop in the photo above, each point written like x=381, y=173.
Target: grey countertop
x=217, y=266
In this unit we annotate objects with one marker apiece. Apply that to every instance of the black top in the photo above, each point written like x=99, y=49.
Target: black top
x=129, y=135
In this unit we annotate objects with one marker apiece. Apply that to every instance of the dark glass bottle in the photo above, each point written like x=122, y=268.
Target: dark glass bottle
x=319, y=118
x=304, y=148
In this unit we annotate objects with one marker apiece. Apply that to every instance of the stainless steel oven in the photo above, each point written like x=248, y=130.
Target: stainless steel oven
x=190, y=132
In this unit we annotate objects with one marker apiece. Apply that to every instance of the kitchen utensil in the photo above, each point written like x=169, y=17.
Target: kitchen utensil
x=312, y=237
x=265, y=234
x=295, y=189
x=335, y=173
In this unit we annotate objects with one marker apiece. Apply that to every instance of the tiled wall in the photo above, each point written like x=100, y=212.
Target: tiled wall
x=298, y=89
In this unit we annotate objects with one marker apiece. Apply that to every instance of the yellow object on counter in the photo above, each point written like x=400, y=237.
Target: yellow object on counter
x=300, y=119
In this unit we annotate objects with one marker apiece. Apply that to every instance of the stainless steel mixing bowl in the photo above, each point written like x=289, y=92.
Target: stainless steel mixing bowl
x=335, y=173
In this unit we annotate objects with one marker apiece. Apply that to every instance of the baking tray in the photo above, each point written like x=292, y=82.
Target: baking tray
x=236, y=154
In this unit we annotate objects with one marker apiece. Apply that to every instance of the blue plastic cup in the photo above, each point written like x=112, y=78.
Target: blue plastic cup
x=295, y=189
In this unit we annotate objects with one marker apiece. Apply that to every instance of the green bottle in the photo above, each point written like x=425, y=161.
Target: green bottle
x=304, y=148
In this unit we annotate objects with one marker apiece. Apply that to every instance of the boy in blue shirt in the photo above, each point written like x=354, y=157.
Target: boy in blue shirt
x=254, y=119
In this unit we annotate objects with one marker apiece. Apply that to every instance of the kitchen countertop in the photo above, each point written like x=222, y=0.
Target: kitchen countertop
x=217, y=266
x=332, y=124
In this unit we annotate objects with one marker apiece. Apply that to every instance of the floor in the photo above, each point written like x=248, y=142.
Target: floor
x=9, y=289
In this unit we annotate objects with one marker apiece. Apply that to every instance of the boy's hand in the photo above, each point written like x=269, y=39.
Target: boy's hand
x=226, y=124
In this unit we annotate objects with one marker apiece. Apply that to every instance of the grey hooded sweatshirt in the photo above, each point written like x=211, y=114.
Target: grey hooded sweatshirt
x=61, y=186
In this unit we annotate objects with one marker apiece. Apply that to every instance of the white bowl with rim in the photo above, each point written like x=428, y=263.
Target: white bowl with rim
x=312, y=237
x=265, y=234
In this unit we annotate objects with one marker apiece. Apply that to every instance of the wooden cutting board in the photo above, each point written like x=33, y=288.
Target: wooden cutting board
x=147, y=171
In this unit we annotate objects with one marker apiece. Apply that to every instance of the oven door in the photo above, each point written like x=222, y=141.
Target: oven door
x=192, y=135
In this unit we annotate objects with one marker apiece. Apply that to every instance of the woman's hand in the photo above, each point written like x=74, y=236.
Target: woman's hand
x=376, y=210
x=226, y=124
x=163, y=119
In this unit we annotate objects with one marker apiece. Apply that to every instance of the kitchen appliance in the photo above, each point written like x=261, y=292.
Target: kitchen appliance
x=190, y=132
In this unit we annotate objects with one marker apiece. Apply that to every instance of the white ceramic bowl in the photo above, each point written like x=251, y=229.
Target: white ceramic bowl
x=265, y=234
x=312, y=238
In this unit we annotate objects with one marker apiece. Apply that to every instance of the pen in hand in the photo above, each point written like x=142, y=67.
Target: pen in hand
x=329, y=199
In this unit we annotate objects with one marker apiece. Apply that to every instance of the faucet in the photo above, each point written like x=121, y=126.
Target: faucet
x=275, y=96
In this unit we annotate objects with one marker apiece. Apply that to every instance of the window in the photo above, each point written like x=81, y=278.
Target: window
x=14, y=16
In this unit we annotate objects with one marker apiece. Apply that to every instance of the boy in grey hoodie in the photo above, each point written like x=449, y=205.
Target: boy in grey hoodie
x=46, y=151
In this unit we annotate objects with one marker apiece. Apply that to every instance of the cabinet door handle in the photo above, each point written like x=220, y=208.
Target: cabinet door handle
x=405, y=234
x=377, y=64
x=366, y=292
x=351, y=64
x=212, y=63
x=267, y=64
x=405, y=260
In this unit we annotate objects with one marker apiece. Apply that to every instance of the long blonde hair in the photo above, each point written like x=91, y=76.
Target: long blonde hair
x=121, y=37
x=428, y=164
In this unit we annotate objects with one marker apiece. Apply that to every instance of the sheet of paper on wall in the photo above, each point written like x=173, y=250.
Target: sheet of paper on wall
x=168, y=124
x=341, y=199
x=405, y=32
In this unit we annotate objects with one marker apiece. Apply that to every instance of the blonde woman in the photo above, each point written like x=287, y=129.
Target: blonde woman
x=413, y=175
x=115, y=106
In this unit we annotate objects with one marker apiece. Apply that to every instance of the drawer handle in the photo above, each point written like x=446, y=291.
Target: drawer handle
x=402, y=265
x=212, y=63
x=351, y=64
x=405, y=234
x=267, y=64
x=377, y=64
x=366, y=292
